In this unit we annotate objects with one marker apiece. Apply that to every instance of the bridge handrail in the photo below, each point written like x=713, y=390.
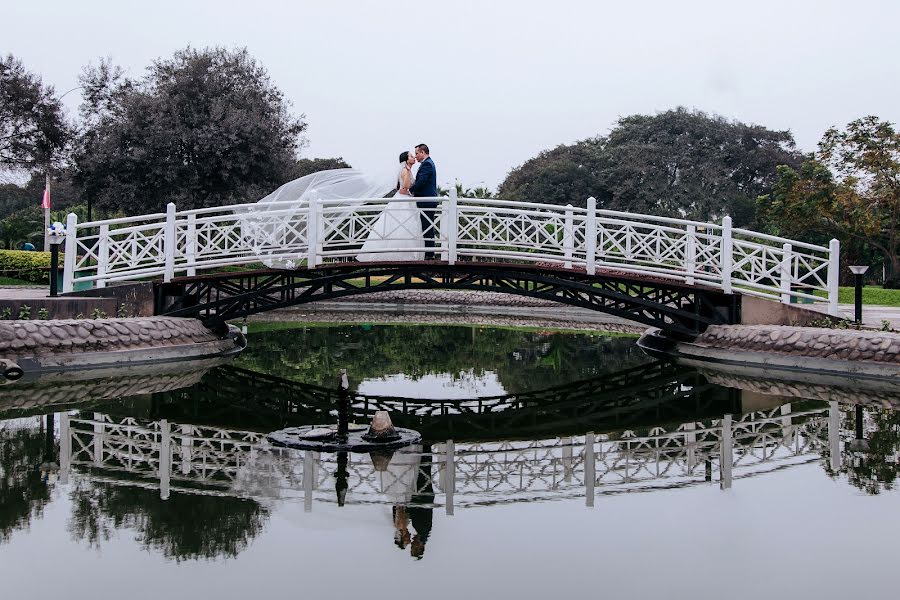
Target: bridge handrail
x=718, y=255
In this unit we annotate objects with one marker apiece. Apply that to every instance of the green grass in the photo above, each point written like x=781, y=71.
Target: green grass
x=872, y=296
x=14, y=281
x=875, y=296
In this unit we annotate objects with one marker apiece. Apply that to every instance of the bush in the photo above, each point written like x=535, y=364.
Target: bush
x=30, y=266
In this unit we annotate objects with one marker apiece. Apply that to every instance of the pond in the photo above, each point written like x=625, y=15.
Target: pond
x=552, y=463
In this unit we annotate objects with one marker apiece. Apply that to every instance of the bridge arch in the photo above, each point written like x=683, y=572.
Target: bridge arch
x=655, y=302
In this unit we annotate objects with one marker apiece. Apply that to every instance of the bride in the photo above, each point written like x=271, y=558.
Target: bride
x=397, y=232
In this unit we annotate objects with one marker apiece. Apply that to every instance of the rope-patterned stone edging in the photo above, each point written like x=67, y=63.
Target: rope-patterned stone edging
x=835, y=344
x=20, y=339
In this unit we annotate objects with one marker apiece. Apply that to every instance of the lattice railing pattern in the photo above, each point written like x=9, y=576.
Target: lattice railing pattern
x=296, y=234
x=244, y=463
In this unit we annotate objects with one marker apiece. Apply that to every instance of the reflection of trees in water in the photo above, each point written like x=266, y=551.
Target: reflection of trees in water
x=23, y=491
x=875, y=469
x=183, y=527
x=522, y=360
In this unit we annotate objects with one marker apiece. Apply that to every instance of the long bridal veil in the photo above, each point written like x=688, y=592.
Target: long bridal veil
x=276, y=227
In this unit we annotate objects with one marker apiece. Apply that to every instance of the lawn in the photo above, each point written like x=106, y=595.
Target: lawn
x=13, y=281
x=875, y=296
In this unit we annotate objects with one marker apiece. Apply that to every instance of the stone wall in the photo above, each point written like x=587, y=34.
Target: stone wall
x=20, y=339
x=835, y=344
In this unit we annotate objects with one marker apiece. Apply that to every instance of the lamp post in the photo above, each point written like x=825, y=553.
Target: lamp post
x=56, y=234
x=858, y=272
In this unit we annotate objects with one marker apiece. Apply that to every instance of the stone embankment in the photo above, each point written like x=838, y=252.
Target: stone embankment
x=811, y=342
x=35, y=346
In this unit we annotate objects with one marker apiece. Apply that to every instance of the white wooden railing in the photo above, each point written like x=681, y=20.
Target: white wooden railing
x=294, y=234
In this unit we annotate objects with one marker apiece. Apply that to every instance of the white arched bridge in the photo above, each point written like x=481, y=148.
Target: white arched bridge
x=678, y=274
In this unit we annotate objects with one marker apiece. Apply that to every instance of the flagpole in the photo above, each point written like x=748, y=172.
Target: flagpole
x=46, y=206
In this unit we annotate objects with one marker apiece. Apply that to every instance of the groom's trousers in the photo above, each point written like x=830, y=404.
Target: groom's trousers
x=427, y=213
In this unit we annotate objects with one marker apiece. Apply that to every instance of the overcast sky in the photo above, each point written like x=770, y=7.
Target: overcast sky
x=490, y=83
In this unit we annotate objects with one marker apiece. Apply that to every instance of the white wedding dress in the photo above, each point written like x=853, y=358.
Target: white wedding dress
x=397, y=233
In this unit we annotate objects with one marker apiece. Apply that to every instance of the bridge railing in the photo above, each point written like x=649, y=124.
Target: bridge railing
x=293, y=234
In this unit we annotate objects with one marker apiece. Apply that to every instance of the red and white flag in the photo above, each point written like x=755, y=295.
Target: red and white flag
x=45, y=201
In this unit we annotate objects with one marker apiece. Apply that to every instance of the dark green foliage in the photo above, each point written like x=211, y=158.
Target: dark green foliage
x=33, y=130
x=679, y=163
x=184, y=527
x=28, y=266
x=23, y=492
x=203, y=128
x=522, y=360
x=308, y=166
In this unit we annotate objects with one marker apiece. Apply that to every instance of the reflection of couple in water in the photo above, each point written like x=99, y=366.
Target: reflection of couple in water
x=418, y=513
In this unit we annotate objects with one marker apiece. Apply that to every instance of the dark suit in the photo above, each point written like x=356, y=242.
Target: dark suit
x=425, y=186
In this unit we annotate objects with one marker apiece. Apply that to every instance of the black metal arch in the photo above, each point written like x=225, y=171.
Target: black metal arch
x=673, y=307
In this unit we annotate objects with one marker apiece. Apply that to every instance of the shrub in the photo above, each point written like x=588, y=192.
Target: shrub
x=30, y=266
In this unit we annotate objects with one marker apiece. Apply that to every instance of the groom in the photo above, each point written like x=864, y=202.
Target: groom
x=425, y=186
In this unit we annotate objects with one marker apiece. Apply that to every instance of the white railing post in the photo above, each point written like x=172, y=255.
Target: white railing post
x=834, y=435
x=320, y=232
x=71, y=248
x=102, y=255
x=726, y=454
x=725, y=257
x=590, y=469
x=169, y=242
x=312, y=233
x=834, y=265
x=449, y=475
x=452, y=226
x=786, y=262
x=190, y=244
x=590, y=237
x=165, y=458
x=568, y=237
x=65, y=447
x=690, y=254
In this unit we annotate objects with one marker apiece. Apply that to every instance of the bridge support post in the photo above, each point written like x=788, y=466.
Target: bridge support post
x=102, y=255
x=834, y=436
x=834, y=255
x=70, y=258
x=449, y=475
x=568, y=237
x=190, y=244
x=726, y=460
x=590, y=469
x=590, y=237
x=169, y=242
x=65, y=448
x=786, y=262
x=725, y=256
x=165, y=459
x=452, y=228
x=690, y=254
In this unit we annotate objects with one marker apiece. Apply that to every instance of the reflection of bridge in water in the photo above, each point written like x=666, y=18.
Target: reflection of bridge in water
x=631, y=398
x=201, y=459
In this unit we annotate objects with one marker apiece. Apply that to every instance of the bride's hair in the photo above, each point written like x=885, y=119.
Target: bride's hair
x=404, y=156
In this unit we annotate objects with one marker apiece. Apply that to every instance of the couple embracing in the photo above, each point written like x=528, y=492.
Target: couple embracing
x=407, y=225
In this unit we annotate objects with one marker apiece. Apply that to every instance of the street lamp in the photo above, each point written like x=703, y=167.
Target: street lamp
x=56, y=234
x=858, y=272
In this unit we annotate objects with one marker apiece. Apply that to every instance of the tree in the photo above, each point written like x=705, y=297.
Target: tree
x=563, y=175
x=203, y=128
x=678, y=163
x=25, y=225
x=849, y=189
x=33, y=129
x=308, y=166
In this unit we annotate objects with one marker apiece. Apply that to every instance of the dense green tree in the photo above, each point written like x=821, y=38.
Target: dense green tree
x=677, y=163
x=24, y=225
x=308, y=166
x=33, y=129
x=564, y=175
x=23, y=491
x=183, y=527
x=850, y=189
x=203, y=128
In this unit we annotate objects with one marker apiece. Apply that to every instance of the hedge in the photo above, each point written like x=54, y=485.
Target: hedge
x=29, y=266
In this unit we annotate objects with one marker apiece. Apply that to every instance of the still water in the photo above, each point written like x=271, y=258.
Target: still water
x=163, y=484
